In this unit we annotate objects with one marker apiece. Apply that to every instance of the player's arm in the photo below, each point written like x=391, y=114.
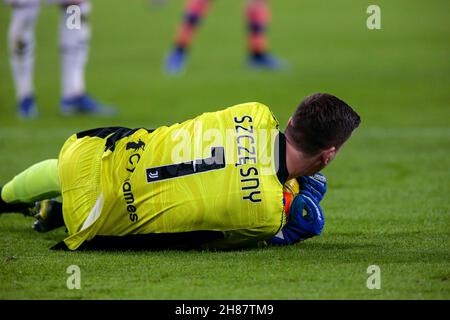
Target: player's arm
x=299, y=226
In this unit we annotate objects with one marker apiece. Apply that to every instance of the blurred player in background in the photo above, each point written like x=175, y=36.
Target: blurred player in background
x=257, y=13
x=73, y=44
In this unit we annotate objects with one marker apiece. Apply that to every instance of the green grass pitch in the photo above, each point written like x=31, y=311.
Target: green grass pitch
x=388, y=197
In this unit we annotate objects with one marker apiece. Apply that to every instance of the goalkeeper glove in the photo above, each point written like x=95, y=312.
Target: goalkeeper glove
x=313, y=186
x=301, y=227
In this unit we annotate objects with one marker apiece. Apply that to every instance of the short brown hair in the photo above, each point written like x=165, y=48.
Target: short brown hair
x=321, y=121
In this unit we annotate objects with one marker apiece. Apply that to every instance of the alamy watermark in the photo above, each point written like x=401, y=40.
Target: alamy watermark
x=74, y=278
x=374, y=279
x=73, y=17
x=374, y=20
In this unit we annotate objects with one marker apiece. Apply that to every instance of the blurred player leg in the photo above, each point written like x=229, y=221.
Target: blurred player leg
x=194, y=12
x=258, y=16
x=74, y=47
x=21, y=46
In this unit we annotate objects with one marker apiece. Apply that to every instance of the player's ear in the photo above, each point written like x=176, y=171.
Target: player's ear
x=289, y=122
x=328, y=155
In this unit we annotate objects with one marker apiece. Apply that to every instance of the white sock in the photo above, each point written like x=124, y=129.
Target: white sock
x=21, y=47
x=74, y=47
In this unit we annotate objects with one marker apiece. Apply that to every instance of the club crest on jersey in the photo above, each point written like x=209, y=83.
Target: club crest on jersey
x=136, y=145
x=152, y=175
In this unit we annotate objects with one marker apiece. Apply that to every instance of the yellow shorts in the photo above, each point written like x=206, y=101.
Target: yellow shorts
x=79, y=174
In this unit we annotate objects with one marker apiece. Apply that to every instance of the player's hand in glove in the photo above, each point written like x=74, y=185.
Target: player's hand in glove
x=313, y=186
x=300, y=227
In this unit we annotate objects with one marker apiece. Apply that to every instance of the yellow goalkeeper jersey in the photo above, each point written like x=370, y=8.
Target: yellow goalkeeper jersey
x=221, y=171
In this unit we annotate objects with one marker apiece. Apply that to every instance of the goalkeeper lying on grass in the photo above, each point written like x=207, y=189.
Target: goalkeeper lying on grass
x=215, y=181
